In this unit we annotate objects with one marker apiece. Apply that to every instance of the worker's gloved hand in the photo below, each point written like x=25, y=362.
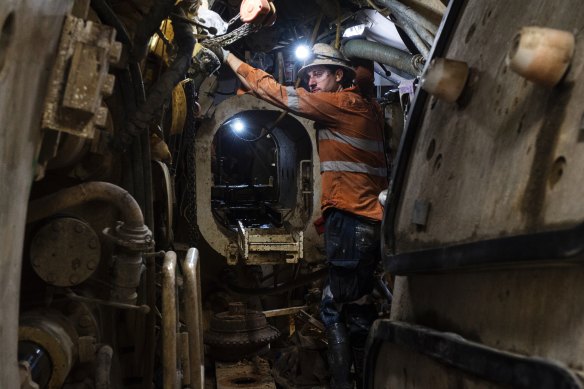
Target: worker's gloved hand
x=224, y=53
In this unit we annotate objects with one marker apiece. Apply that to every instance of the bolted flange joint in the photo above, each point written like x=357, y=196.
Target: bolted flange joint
x=137, y=238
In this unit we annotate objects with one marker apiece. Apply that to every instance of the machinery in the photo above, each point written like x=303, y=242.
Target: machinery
x=158, y=223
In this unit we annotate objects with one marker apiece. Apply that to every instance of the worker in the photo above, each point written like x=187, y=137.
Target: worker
x=354, y=172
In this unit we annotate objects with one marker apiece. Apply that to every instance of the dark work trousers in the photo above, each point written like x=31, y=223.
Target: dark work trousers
x=353, y=251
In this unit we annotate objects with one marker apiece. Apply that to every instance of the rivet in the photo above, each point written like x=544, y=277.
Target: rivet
x=92, y=244
x=78, y=228
x=91, y=265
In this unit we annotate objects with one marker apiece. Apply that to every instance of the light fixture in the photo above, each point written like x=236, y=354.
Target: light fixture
x=302, y=52
x=354, y=31
x=238, y=126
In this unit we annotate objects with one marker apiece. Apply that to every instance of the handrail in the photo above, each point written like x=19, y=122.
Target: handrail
x=169, y=358
x=194, y=315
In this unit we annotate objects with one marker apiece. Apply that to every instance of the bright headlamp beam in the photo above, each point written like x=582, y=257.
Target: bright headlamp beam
x=238, y=126
x=302, y=52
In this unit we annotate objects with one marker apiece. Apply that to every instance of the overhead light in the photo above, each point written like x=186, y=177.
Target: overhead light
x=238, y=126
x=302, y=52
x=354, y=31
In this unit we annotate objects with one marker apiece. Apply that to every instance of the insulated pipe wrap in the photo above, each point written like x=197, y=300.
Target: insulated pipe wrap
x=396, y=58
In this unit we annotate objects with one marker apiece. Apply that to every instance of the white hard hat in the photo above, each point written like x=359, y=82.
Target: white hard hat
x=325, y=55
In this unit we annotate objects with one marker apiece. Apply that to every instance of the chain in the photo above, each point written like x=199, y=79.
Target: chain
x=188, y=207
x=233, y=36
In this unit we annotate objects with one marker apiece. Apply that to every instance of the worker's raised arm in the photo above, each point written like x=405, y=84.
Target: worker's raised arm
x=296, y=100
x=234, y=64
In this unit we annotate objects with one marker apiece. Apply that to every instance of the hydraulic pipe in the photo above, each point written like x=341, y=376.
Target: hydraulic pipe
x=169, y=357
x=129, y=209
x=193, y=310
x=131, y=236
x=396, y=58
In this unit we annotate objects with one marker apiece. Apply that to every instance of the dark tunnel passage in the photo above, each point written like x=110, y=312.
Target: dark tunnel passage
x=258, y=168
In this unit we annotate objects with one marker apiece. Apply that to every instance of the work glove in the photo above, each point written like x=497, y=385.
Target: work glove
x=224, y=53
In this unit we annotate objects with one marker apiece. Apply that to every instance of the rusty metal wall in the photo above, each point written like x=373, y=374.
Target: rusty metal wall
x=30, y=30
x=507, y=159
x=503, y=161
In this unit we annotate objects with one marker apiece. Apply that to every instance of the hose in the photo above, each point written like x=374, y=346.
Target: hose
x=183, y=37
x=396, y=58
x=408, y=13
x=413, y=35
x=420, y=30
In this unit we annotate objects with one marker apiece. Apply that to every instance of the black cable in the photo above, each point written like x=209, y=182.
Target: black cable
x=185, y=41
x=108, y=16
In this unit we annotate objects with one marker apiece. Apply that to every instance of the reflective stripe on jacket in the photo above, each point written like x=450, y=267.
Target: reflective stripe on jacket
x=350, y=144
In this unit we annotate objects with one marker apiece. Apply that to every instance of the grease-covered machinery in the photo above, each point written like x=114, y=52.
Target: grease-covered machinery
x=119, y=156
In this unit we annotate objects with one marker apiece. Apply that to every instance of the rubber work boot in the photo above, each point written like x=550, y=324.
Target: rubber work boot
x=339, y=357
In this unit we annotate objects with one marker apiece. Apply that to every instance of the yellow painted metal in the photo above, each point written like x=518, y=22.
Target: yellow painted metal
x=157, y=45
x=179, y=108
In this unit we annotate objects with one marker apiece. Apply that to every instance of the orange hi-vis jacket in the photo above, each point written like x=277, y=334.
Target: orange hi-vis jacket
x=352, y=161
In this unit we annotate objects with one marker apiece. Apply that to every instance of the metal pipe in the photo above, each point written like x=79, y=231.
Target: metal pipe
x=193, y=315
x=103, y=367
x=169, y=358
x=129, y=209
x=396, y=58
x=75, y=297
x=185, y=361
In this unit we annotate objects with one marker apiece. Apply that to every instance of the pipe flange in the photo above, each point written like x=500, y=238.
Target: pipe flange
x=65, y=252
x=132, y=238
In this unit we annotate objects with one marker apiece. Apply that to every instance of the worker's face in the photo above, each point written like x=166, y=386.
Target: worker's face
x=321, y=79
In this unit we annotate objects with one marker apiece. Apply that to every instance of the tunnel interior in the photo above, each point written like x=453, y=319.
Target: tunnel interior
x=259, y=165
